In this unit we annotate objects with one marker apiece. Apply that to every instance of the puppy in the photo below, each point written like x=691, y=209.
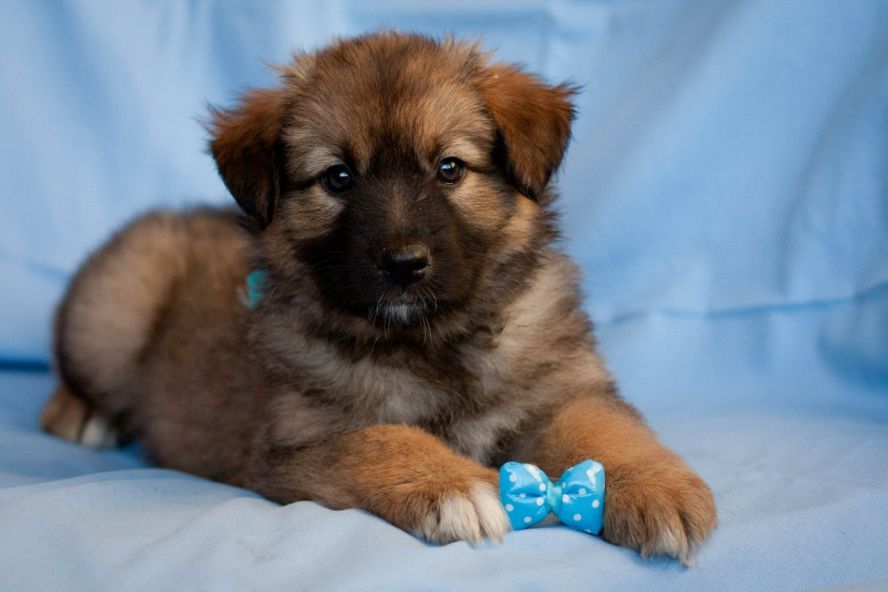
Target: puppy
x=416, y=326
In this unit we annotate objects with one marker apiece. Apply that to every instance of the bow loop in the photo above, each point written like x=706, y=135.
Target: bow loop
x=577, y=499
x=524, y=492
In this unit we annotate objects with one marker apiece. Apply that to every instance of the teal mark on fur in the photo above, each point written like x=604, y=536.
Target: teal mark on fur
x=255, y=288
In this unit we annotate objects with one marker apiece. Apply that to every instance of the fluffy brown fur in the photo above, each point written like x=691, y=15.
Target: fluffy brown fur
x=359, y=382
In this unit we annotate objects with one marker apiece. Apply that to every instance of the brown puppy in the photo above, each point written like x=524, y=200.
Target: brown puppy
x=417, y=327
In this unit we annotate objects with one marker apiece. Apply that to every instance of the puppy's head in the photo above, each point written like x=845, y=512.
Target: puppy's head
x=407, y=178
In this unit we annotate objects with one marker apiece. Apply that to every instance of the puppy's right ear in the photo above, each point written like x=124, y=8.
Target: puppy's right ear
x=246, y=144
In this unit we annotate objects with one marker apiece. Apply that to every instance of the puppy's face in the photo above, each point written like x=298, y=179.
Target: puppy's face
x=397, y=170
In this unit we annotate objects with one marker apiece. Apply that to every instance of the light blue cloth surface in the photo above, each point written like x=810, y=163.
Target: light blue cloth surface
x=726, y=193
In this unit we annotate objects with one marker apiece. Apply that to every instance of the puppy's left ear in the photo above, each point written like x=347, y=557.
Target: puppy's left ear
x=245, y=144
x=533, y=120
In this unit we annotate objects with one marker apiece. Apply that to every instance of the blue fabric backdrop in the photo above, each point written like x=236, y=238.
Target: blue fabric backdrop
x=726, y=193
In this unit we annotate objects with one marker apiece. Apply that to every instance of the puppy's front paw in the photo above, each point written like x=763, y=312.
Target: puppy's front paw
x=470, y=517
x=445, y=510
x=658, y=508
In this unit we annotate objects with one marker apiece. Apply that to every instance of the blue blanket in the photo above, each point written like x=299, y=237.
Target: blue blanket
x=726, y=193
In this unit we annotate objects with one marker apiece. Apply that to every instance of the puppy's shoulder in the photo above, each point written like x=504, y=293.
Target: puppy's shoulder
x=550, y=301
x=547, y=337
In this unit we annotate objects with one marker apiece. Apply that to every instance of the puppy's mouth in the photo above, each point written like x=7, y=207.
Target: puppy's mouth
x=403, y=309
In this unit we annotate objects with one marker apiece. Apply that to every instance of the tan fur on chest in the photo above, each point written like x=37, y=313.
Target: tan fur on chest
x=523, y=370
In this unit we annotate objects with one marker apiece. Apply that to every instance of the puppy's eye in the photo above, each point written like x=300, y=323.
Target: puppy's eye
x=450, y=170
x=338, y=178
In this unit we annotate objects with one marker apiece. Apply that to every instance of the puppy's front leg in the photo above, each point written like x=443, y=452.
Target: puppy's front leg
x=653, y=503
x=402, y=474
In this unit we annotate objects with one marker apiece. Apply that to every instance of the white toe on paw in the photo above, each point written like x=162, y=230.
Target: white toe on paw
x=493, y=519
x=457, y=519
x=672, y=541
x=470, y=518
x=98, y=432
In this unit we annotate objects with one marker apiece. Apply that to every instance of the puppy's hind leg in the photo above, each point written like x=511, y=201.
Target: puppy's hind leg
x=107, y=321
x=70, y=417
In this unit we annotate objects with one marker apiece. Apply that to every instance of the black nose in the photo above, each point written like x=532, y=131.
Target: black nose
x=405, y=265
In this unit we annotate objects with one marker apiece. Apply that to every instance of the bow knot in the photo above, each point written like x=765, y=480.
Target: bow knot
x=577, y=499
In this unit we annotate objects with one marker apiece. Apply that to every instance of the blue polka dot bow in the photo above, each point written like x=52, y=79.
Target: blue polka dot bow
x=577, y=499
